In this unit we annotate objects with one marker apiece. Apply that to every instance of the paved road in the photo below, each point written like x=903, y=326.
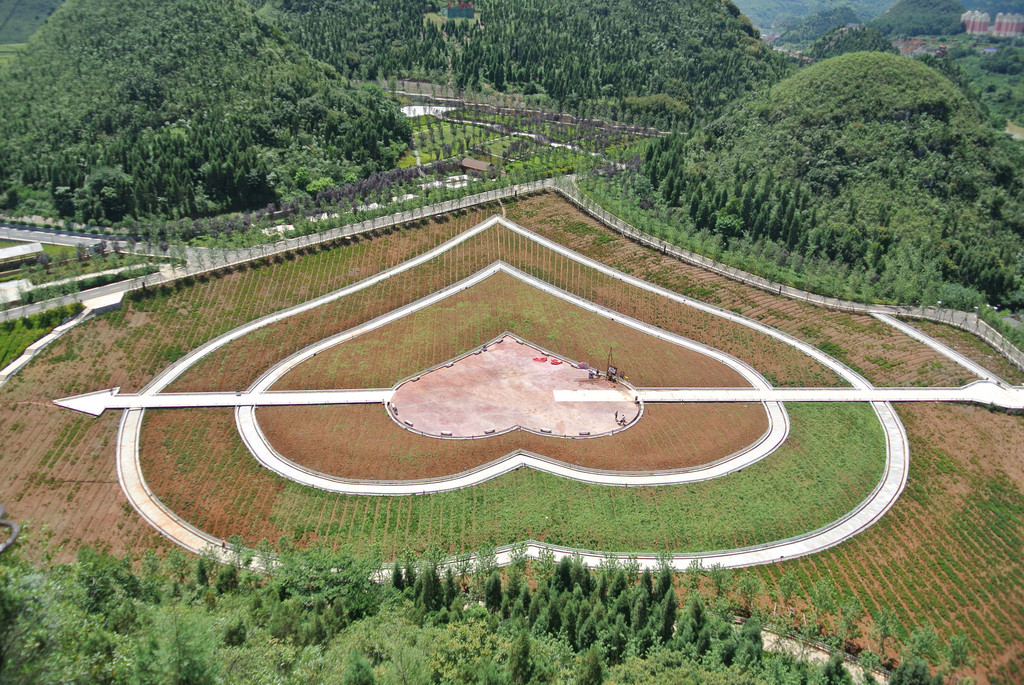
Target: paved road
x=51, y=236
x=100, y=293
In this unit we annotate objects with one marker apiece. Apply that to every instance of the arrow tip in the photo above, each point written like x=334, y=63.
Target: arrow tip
x=92, y=403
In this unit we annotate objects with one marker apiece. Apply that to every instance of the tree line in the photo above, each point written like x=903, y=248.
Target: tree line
x=868, y=161
x=186, y=108
x=321, y=615
x=696, y=57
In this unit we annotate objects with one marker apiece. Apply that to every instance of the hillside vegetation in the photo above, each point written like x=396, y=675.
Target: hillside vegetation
x=1008, y=6
x=788, y=13
x=873, y=167
x=138, y=109
x=921, y=18
x=320, y=618
x=817, y=25
x=657, y=62
x=20, y=18
x=843, y=40
x=998, y=79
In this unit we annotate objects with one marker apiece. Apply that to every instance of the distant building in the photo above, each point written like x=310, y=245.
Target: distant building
x=458, y=10
x=1006, y=26
x=975, y=23
x=470, y=164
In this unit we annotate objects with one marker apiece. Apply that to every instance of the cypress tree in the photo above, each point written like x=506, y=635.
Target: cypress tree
x=591, y=668
x=586, y=633
x=202, y=575
x=562, y=578
x=451, y=590
x=519, y=660
x=664, y=582
x=641, y=613
x=492, y=592
x=667, y=619
x=431, y=595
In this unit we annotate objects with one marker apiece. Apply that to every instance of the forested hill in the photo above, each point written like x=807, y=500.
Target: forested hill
x=842, y=40
x=766, y=13
x=869, y=164
x=657, y=61
x=817, y=25
x=920, y=18
x=176, y=107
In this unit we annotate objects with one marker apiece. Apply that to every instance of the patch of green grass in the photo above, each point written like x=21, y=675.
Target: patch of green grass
x=832, y=460
x=17, y=335
x=831, y=348
x=436, y=140
x=437, y=20
x=20, y=18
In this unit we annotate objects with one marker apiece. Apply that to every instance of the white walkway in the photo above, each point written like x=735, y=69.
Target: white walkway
x=95, y=403
x=864, y=515
x=969, y=364
x=979, y=392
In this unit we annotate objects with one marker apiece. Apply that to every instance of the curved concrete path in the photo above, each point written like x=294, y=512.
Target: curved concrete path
x=943, y=349
x=265, y=453
x=12, y=537
x=863, y=516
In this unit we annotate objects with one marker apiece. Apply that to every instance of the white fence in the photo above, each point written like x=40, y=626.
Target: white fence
x=565, y=187
x=967, y=321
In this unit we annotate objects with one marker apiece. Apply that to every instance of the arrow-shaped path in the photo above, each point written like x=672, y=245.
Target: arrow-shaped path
x=980, y=392
x=95, y=403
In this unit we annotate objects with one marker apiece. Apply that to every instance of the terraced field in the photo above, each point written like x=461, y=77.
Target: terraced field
x=948, y=554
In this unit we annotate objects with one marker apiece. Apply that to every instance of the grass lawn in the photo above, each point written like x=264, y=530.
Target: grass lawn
x=17, y=335
x=8, y=51
x=832, y=460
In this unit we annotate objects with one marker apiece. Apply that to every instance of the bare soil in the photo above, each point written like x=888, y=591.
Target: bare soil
x=949, y=553
x=497, y=305
x=882, y=354
x=241, y=362
x=221, y=499
x=972, y=347
x=361, y=441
